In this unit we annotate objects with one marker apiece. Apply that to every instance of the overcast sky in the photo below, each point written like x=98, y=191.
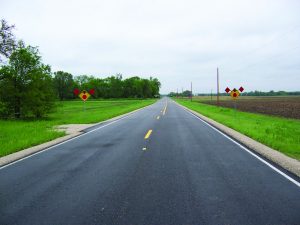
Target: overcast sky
x=255, y=43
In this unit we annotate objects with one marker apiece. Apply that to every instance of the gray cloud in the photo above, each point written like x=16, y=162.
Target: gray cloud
x=254, y=43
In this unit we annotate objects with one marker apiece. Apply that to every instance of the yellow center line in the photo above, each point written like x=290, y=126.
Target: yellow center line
x=164, y=112
x=165, y=109
x=148, y=134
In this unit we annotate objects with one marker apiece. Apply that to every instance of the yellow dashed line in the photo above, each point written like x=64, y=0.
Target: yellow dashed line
x=165, y=109
x=164, y=112
x=148, y=134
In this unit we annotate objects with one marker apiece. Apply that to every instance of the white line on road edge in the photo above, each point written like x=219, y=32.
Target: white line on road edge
x=246, y=149
x=71, y=139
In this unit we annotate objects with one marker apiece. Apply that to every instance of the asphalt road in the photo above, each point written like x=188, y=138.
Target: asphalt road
x=183, y=172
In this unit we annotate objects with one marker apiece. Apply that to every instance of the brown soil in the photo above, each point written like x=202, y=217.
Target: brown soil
x=288, y=107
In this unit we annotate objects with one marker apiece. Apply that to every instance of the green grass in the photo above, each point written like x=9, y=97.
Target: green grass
x=16, y=135
x=278, y=133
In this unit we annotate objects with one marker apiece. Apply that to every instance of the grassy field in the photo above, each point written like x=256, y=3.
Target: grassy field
x=16, y=135
x=281, y=134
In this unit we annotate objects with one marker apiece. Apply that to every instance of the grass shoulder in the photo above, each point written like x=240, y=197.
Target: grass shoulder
x=278, y=133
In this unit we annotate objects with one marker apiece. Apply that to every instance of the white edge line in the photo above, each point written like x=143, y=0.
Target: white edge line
x=246, y=149
x=71, y=139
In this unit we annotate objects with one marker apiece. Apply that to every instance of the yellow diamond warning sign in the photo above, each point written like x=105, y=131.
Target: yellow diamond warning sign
x=234, y=93
x=84, y=95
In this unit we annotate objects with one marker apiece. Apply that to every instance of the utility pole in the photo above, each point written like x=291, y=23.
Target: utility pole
x=218, y=101
x=191, y=91
x=177, y=93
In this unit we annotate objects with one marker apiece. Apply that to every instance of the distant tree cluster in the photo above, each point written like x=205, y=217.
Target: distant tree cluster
x=186, y=93
x=29, y=88
x=110, y=87
x=271, y=93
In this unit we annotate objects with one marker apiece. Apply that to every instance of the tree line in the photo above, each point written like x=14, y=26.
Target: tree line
x=28, y=87
x=271, y=93
x=185, y=93
x=110, y=87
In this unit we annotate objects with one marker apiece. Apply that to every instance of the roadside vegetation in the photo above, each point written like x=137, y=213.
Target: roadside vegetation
x=19, y=134
x=282, y=134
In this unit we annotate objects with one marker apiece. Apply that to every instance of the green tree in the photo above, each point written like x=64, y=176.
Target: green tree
x=7, y=39
x=26, y=83
x=98, y=85
x=115, y=86
x=147, y=90
x=172, y=94
x=40, y=96
x=128, y=85
x=82, y=82
x=64, y=85
x=155, y=85
x=187, y=93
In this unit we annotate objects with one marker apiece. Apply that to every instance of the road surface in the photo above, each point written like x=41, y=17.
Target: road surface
x=160, y=165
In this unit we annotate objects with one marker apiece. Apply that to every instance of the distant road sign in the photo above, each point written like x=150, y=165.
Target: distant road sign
x=234, y=93
x=84, y=95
